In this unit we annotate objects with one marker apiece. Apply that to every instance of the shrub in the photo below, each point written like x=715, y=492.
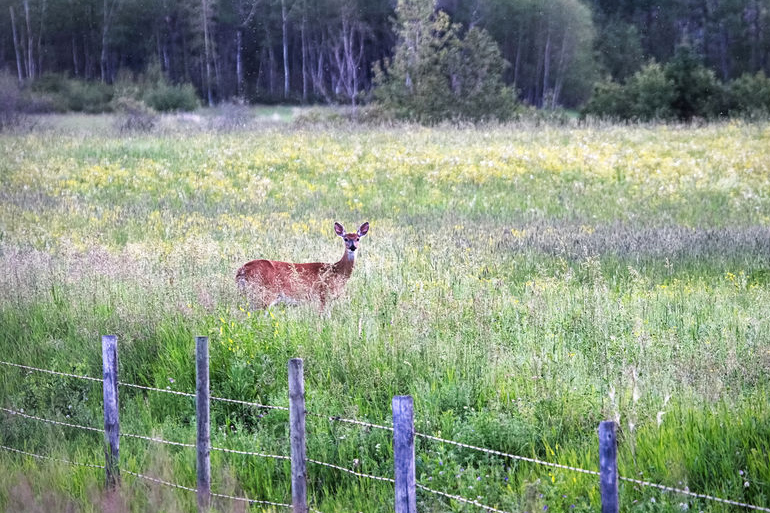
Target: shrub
x=164, y=97
x=91, y=97
x=650, y=94
x=11, y=115
x=60, y=94
x=609, y=100
x=682, y=89
x=437, y=75
x=697, y=92
x=749, y=96
x=134, y=115
x=232, y=116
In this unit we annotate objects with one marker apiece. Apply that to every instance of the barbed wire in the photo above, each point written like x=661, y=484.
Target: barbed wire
x=154, y=389
x=158, y=440
x=41, y=457
x=49, y=371
x=336, y=418
x=67, y=424
x=693, y=494
x=593, y=472
x=145, y=477
x=507, y=455
x=247, y=403
x=349, y=421
x=159, y=481
x=460, y=499
x=250, y=453
x=359, y=474
x=144, y=387
x=254, y=501
x=141, y=437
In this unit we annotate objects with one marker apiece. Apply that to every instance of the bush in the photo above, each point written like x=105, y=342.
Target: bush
x=11, y=115
x=749, y=96
x=609, y=100
x=682, y=89
x=697, y=92
x=232, y=116
x=650, y=94
x=164, y=97
x=436, y=75
x=60, y=94
x=134, y=116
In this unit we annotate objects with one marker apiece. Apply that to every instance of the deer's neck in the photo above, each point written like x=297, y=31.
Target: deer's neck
x=345, y=265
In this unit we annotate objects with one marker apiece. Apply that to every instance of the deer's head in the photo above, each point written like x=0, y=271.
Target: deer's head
x=351, y=239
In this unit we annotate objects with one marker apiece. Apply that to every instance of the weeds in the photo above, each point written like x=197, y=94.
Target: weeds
x=521, y=285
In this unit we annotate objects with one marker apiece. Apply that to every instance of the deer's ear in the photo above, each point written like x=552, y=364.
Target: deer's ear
x=338, y=229
x=363, y=230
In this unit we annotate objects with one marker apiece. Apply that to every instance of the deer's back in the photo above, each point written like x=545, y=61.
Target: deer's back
x=282, y=277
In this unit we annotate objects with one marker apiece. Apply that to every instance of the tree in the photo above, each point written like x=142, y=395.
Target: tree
x=436, y=74
x=620, y=49
x=750, y=95
x=696, y=89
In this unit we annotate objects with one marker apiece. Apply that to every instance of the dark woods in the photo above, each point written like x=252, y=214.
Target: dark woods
x=326, y=51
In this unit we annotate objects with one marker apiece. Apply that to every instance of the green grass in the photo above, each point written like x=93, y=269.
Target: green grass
x=522, y=283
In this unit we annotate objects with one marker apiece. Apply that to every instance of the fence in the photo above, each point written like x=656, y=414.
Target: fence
x=404, y=480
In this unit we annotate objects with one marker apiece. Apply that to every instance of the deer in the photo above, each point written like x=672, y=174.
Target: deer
x=269, y=282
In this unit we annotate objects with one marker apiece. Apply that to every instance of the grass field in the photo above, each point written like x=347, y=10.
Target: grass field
x=522, y=282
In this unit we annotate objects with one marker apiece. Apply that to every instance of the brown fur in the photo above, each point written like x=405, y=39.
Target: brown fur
x=268, y=282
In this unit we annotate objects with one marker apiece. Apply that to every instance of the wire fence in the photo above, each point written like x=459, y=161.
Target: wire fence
x=332, y=418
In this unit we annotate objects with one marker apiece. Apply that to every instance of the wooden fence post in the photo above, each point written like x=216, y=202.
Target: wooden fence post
x=204, y=427
x=111, y=417
x=403, y=453
x=608, y=466
x=297, y=436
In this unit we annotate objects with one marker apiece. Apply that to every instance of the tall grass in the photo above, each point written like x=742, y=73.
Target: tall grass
x=523, y=284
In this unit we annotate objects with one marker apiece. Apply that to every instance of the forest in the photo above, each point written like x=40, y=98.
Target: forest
x=326, y=51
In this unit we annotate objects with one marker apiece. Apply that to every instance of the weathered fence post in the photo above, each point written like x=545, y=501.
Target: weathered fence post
x=297, y=436
x=608, y=466
x=403, y=454
x=204, y=426
x=111, y=417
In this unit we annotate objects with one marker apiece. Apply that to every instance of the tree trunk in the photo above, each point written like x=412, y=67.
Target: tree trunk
x=217, y=71
x=304, y=59
x=40, y=38
x=30, y=44
x=16, y=46
x=86, y=59
x=74, y=55
x=105, y=30
x=159, y=50
x=239, y=62
x=546, y=67
x=109, y=7
x=285, y=41
x=271, y=69
x=207, y=51
x=517, y=59
x=723, y=55
x=185, y=58
x=560, y=71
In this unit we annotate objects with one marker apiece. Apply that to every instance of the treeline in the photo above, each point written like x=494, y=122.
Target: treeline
x=327, y=50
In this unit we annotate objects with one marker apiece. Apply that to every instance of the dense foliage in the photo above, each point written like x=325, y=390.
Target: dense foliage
x=682, y=89
x=437, y=73
x=326, y=50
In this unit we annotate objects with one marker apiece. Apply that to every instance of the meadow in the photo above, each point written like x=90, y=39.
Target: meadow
x=522, y=282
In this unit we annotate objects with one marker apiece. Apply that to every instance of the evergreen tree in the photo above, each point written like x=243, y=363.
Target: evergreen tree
x=438, y=74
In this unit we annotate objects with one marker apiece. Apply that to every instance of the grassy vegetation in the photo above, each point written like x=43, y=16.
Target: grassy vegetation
x=522, y=282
